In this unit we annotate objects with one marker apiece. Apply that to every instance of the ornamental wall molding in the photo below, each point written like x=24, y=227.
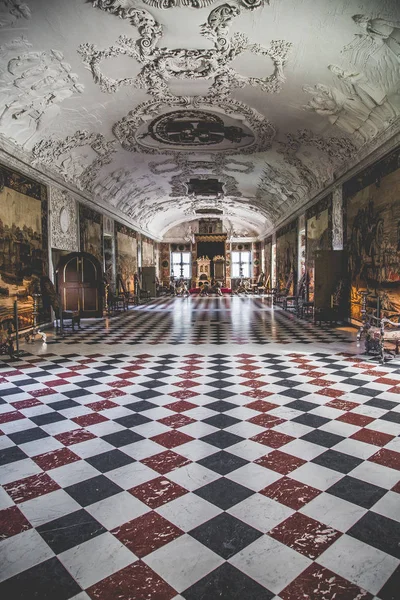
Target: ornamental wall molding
x=15, y=157
x=166, y=4
x=217, y=165
x=162, y=64
x=339, y=150
x=337, y=219
x=127, y=130
x=11, y=11
x=34, y=83
x=279, y=190
x=63, y=220
x=50, y=151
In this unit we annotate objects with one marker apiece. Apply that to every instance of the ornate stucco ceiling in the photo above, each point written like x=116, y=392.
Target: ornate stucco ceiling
x=130, y=99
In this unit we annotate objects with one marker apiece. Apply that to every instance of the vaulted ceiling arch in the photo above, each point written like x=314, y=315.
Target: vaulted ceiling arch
x=134, y=101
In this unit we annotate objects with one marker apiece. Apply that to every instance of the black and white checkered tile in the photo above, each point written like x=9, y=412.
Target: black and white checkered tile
x=165, y=477
x=207, y=321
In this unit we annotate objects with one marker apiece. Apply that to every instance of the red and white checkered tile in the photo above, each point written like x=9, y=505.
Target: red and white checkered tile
x=200, y=477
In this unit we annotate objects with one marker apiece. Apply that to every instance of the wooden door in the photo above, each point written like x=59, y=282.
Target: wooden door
x=79, y=278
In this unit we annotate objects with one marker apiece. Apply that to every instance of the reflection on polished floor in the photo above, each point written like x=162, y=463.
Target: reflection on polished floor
x=264, y=468
x=228, y=320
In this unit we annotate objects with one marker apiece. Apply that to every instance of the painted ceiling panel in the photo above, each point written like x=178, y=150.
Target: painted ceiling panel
x=132, y=100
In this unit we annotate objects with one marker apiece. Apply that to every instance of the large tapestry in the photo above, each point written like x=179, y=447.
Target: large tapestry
x=372, y=218
x=91, y=232
x=286, y=256
x=147, y=252
x=23, y=244
x=268, y=261
x=319, y=236
x=126, y=252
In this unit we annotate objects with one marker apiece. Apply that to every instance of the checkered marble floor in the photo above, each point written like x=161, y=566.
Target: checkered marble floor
x=226, y=320
x=245, y=476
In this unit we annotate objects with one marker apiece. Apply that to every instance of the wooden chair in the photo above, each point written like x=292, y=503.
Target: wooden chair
x=129, y=297
x=280, y=295
x=292, y=302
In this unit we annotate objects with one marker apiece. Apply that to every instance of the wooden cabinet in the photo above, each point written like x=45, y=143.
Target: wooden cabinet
x=330, y=285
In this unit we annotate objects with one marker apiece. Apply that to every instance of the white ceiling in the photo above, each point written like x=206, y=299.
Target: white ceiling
x=82, y=82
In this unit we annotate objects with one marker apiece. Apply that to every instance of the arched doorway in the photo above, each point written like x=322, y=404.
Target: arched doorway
x=79, y=281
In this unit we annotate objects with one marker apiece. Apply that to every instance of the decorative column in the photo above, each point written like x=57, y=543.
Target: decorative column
x=255, y=247
x=228, y=246
x=301, y=264
x=165, y=257
x=337, y=219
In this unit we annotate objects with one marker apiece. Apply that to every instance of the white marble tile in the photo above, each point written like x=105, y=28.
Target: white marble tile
x=151, y=429
x=303, y=449
x=142, y=449
x=131, y=475
x=48, y=507
x=356, y=448
x=18, y=470
x=96, y=559
x=270, y=563
x=193, y=476
x=255, y=477
x=73, y=473
x=92, y=447
x=188, y=511
x=196, y=449
x=117, y=510
x=21, y=552
x=389, y=506
x=316, y=476
x=198, y=430
x=249, y=450
x=361, y=564
x=245, y=429
x=47, y=444
x=260, y=512
x=380, y=475
x=333, y=511
x=5, y=499
x=183, y=562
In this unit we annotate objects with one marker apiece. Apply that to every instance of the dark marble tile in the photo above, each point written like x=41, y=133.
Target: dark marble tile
x=344, y=463
x=227, y=583
x=357, y=491
x=47, y=581
x=93, y=490
x=221, y=439
x=71, y=530
x=225, y=535
x=11, y=454
x=222, y=462
x=107, y=461
x=378, y=531
x=224, y=493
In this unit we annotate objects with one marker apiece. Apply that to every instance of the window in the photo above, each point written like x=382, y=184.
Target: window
x=241, y=263
x=180, y=265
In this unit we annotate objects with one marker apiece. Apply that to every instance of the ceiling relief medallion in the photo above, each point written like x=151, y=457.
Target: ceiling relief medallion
x=205, y=188
x=227, y=126
x=162, y=64
x=60, y=154
x=194, y=130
